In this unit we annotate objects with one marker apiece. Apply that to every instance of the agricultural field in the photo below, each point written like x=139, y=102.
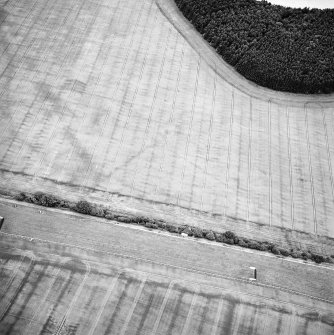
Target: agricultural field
x=90, y=277
x=115, y=101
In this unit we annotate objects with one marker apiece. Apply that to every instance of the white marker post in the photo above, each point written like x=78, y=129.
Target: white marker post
x=1, y=221
x=254, y=273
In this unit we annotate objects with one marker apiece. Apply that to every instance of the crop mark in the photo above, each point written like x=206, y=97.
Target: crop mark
x=218, y=315
x=292, y=324
x=265, y=322
x=157, y=87
x=189, y=131
x=227, y=176
x=120, y=145
x=190, y=313
x=25, y=36
x=49, y=91
x=208, y=145
x=124, y=63
x=170, y=121
x=328, y=151
x=104, y=303
x=249, y=154
x=78, y=130
x=148, y=177
x=61, y=115
x=134, y=304
x=11, y=278
x=290, y=167
x=45, y=98
x=25, y=301
x=42, y=302
x=162, y=307
x=270, y=169
x=105, y=121
x=310, y=170
x=6, y=87
x=5, y=309
x=75, y=298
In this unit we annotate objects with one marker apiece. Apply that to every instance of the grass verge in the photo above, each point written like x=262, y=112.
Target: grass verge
x=228, y=237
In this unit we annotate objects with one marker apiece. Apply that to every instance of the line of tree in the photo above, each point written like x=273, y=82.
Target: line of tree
x=285, y=49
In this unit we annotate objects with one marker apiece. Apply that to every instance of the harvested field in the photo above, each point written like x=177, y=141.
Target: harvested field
x=105, y=285
x=108, y=100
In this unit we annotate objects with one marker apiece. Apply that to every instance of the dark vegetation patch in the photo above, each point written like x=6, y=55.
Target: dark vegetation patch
x=285, y=49
x=228, y=237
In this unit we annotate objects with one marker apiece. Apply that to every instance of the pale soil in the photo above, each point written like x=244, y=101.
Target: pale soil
x=95, y=277
x=106, y=100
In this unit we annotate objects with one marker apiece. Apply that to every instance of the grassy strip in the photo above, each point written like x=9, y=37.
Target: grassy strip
x=87, y=208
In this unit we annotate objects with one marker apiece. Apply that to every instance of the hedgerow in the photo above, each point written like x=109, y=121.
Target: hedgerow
x=285, y=49
x=228, y=237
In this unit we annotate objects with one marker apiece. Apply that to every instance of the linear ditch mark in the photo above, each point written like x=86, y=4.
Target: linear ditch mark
x=249, y=167
x=310, y=170
x=227, y=175
x=92, y=94
x=204, y=315
x=9, y=147
x=134, y=304
x=145, y=313
x=265, y=322
x=208, y=145
x=270, y=168
x=239, y=155
x=74, y=300
x=119, y=81
x=148, y=124
x=158, y=132
x=24, y=38
x=292, y=329
x=27, y=298
x=12, y=277
x=117, y=307
x=118, y=84
x=46, y=171
x=170, y=122
x=143, y=64
x=55, y=274
x=329, y=158
x=69, y=156
x=6, y=89
x=218, y=315
x=104, y=303
x=175, y=311
x=105, y=121
x=72, y=89
x=32, y=127
x=162, y=307
x=290, y=168
x=48, y=92
x=189, y=131
x=190, y=312
x=50, y=320
x=38, y=165
x=17, y=291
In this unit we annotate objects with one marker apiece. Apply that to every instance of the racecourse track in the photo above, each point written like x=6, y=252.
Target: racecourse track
x=121, y=102
x=68, y=274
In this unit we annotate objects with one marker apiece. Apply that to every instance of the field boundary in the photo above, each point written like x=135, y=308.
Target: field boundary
x=227, y=237
x=225, y=71
x=184, y=268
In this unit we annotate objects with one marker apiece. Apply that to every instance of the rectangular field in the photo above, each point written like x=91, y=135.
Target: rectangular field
x=44, y=290
x=107, y=98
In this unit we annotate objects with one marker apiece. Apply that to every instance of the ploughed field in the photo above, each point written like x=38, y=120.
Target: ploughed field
x=108, y=98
